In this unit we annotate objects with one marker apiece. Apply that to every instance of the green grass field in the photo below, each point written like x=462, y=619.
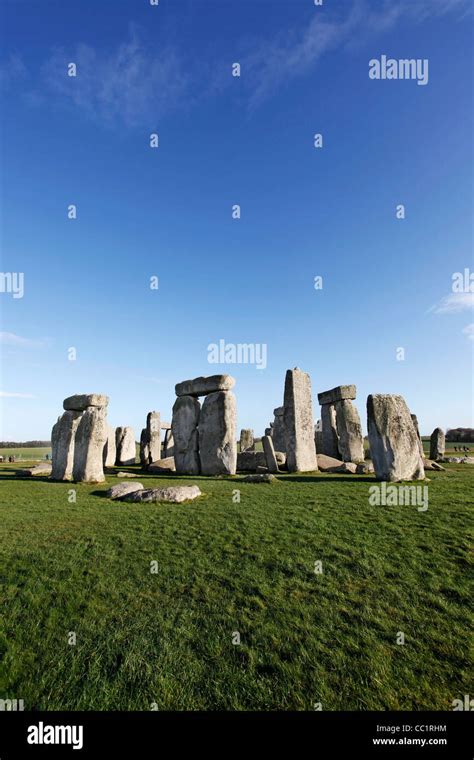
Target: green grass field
x=166, y=638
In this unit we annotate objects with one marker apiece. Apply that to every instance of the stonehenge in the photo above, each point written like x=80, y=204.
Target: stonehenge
x=342, y=431
x=278, y=434
x=437, y=444
x=299, y=423
x=247, y=442
x=150, y=439
x=78, y=439
x=110, y=451
x=125, y=446
x=205, y=437
x=420, y=444
x=269, y=451
x=393, y=440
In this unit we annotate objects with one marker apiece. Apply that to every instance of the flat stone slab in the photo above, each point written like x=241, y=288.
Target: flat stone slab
x=364, y=468
x=31, y=472
x=266, y=477
x=162, y=466
x=174, y=494
x=121, y=489
x=428, y=464
x=81, y=401
x=165, y=425
x=339, y=393
x=326, y=463
x=202, y=386
x=127, y=475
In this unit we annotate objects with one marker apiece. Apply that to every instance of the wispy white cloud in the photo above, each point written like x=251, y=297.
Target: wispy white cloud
x=7, y=394
x=10, y=339
x=469, y=331
x=454, y=303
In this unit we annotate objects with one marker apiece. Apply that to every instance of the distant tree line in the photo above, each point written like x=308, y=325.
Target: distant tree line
x=24, y=444
x=463, y=435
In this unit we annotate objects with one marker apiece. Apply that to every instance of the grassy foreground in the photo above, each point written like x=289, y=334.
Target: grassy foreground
x=165, y=640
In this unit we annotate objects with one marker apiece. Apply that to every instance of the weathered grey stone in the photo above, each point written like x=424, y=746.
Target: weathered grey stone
x=429, y=465
x=260, y=478
x=217, y=434
x=168, y=444
x=125, y=446
x=437, y=444
x=174, y=494
x=127, y=475
x=269, y=431
x=81, y=401
x=165, y=425
x=299, y=423
x=63, y=442
x=327, y=463
x=278, y=434
x=346, y=468
x=329, y=432
x=393, y=441
x=364, y=468
x=162, y=466
x=280, y=456
x=420, y=442
x=39, y=470
x=110, y=452
x=91, y=435
x=247, y=442
x=153, y=427
x=119, y=490
x=184, y=426
x=144, y=448
x=269, y=452
x=349, y=431
x=339, y=393
x=202, y=386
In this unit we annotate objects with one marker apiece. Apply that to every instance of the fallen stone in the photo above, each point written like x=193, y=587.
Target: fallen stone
x=346, y=468
x=260, y=478
x=202, y=386
x=269, y=452
x=121, y=489
x=217, y=434
x=37, y=470
x=184, y=425
x=364, y=468
x=166, y=465
x=326, y=463
x=393, y=440
x=127, y=475
x=299, y=423
x=339, y=393
x=280, y=457
x=429, y=465
x=80, y=402
x=174, y=494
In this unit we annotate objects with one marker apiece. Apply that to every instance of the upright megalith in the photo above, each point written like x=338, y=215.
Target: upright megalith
x=63, y=437
x=420, y=442
x=247, y=441
x=144, y=448
x=329, y=437
x=217, y=434
x=393, y=441
x=437, y=444
x=125, y=446
x=153, y=426
x=168, y=443
x=78, y=439
x=184, y=427
x=110, y=452
x=269, y=451
x=91, y=435
x=342, y=431
x=299, y=422
x=278, y=434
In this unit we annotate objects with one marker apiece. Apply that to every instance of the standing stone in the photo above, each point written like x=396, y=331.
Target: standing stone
x=279, y=441
x=154, y=436
x=125, y=445
x=168, y=444
x=329, y=436
x=393, y=441
x=110, y=452
x=91, y=435
x=247, y=442
x=299, y=424
x=349, y=431
x=144, y=448
x=63, y=442
x=217, y=434
x=269, y=453
x=437, y=444
x=185, y=434
x=420, y=442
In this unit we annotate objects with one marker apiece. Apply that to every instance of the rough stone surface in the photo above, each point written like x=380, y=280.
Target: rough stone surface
x=81, y=401
x=346, y=468
x=339, y=393
x=127, y=475
x=153, y=426
x=125, y=446
x=429, y=465
x=269, y=452
x=63, y=442
x=437, y=444
x=184, y=426
x=269, y=431
x=247, y=442
x=326, y=463
x=420, y=443
x=260, y=478
x=202, y=386
x=36, y=471
x=329, y=431
x=91, y=435
x=393, y=441
x=121, y=489
x=364, y=468
x=278, y=434
x=109, y=453
x=174, y=494
x=299, y=423
x=165, y=425
x=144, y=448
x=280, y=456
x=168, y=444
x=166, y=465
x=349, y=431
x=217, y=434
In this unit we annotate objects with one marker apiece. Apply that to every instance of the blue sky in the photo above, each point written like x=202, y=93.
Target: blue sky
x=224, y=140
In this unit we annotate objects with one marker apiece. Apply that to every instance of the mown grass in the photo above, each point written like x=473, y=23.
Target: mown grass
x=226, y=567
